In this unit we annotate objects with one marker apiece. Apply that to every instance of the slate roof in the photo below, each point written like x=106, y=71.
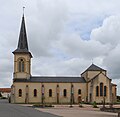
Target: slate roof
x=22, y=44
x=94, y=68
x=53, y=79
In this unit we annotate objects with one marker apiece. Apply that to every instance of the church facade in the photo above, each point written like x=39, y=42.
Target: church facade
x=92, y=85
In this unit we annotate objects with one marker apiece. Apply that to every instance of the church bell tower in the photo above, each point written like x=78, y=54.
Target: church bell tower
x=22, y=56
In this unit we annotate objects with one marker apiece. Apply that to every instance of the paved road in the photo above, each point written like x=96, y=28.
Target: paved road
x=14, y=110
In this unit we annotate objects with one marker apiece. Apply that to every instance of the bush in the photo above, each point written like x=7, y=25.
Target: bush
x=95, y=104
x=80, y=104
x=42, y=105
x=37, y=105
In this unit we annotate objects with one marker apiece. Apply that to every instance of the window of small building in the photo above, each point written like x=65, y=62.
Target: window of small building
x=20, y=92
x=105, y=91
x=101, y=89
x=65, y=93
x=35, y=92
x=21, y=65
x=97, y=90
x=50, y=92
x=79, y=91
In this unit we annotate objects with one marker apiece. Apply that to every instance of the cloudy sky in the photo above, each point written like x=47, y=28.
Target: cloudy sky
x=65, y=36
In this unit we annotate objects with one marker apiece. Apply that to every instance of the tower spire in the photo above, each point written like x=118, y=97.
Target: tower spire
x=22, y=43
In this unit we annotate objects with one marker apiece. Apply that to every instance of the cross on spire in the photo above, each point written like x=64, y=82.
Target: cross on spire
x=23, y=10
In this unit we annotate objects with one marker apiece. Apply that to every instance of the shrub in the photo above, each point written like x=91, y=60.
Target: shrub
x=41, y=105
x=80, y=104
x=95, y=104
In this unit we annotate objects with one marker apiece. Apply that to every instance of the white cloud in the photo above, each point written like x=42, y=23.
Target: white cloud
x=108, y=33
x=73, y=45
x=72, y=66
x=112, y=62
x=47, y=23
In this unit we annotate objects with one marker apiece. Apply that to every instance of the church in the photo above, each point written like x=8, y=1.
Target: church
x=92, y=85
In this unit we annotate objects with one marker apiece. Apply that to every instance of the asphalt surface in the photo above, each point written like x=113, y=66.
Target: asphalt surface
x=15, y=110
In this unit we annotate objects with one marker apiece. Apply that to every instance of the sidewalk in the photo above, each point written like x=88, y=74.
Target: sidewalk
x=86, y=111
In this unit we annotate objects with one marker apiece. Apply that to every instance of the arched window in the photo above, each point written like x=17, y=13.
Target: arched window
x=65, y=93
x=50, y=92
x=105, y=91
x=97, y=90
x=101, y=89
x=21, y=65
x=35, y=92
x=79, y=91
x=20, y=92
